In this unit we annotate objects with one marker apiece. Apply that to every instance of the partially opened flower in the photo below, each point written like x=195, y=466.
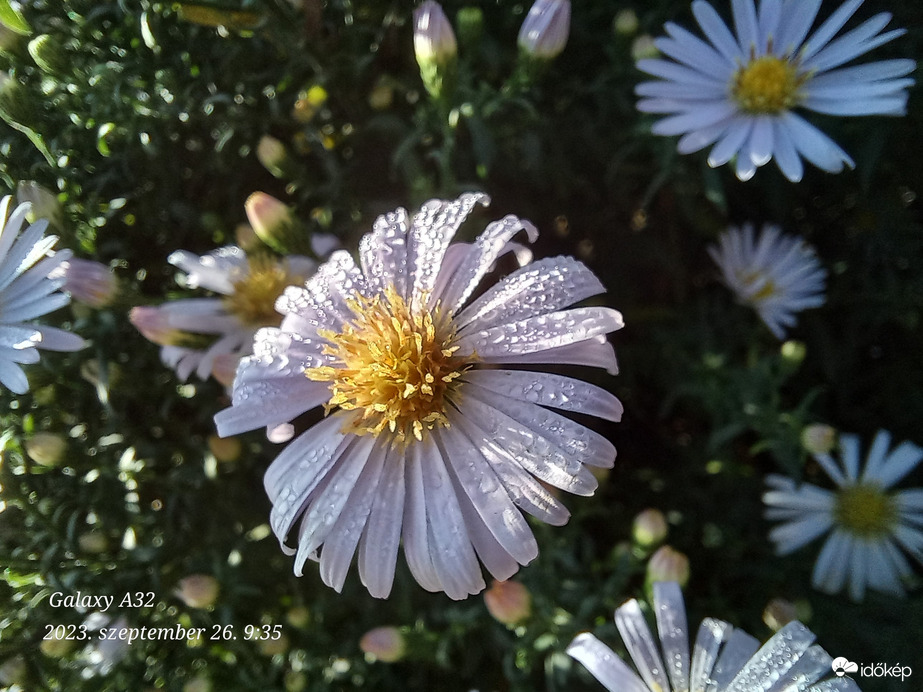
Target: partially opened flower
x=249, y=286
x=428, y=436
x=723, y=659
x=27, y=292
x=777, y=275
x=740, y=92
x=870, y=528
x=88, y=281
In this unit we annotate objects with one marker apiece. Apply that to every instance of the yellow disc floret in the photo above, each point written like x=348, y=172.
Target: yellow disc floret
x=254, y=297
x=395, y=365
x=767, y=85
x=865, y=510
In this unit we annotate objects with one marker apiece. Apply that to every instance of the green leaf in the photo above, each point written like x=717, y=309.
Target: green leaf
x=13, y=20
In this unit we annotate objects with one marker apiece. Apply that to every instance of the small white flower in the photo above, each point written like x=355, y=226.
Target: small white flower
x=740, y=92
x=429, y=438
x=777, y=275
x=869, y=526
x=249, y=287
x=27, y=292
x=723, y=659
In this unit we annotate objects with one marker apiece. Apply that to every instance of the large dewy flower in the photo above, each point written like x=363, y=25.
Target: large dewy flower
x=740, y=92
x=777, y=275
x=870, y=526
x=723, y=659
x=27, y=292
x=428, y=437
x=249, y=286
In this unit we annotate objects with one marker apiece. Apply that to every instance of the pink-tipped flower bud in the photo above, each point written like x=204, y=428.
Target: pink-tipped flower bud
x=274, y=223
x=544, y=32
x=649, y=528
x=668, y=564
x=154, y=325
x=818, y=438
x=90, y=282
x=384, y=644
x=508, y=601
x=435, y=48
x=198, y=590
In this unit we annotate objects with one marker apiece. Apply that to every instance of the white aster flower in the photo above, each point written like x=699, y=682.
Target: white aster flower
x=249, y=287
x=723, y=659
x=868, y=525
x=429, y=437
x=777, y=275
x=740, y=92
x=27, y=292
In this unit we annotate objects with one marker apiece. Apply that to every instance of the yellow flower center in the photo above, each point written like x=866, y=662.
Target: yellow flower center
x=254, y=298
x=397, y=366
x=767, y=85
x=767, y=290
x=865, y=510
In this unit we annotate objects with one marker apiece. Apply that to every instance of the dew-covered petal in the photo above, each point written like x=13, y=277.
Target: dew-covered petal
x=383, y=253
x=641, y=645
x=737, y=651
x=711, y=635
x=670, y=613
x=596, y=352
x=381, y=539
x=774, y=658
x=416, y=538
x=611, y=671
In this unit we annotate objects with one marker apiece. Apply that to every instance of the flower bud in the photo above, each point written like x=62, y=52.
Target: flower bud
x=384, y=644
x=197, y=590
x=90, y=282
x=544, y=32
x=299, y=617
x=225, y=448
x=46, y=448
x=508, y=601
x=275, y=224
x=643, y=47
x=45, y=204
x=649, y=528
x=625, y=22
x=794, y=352
x=435, y=48
x=818, y=438
x=668, y=564
x=779, y=613
x=272, y=154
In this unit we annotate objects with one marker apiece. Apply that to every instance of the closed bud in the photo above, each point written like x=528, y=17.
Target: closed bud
x=435, y=48
x=643, y=47
x=46, y=448
x=275, y=224
x=45, y=204
x=197, y=590
x=90, y=282
x=625, y=22
x=508, y=601
x=225, y=448
x=272, y=154
x=793, y=352
x=544, y=32
x=649, y=528
x=818, y=438
x=779, y=613
x=668, y=564
x=385, y=644
x=49, y=55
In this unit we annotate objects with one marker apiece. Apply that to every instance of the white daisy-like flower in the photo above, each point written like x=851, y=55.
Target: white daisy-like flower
x=27, y=292
x=437, y=431
x=249, y=287
x=777, y=275
x=723, y=659
x=870, y=528
x=740, y=92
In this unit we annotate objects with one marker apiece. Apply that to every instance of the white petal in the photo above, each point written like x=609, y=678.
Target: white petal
x=13, y=378
x=797, y=17
x=828, y=29
x=611, y=671
x=383, y=253
x=773, y=659
x=641, y=645
x=416, y=539
x=711, y=635
x=716, y=30
x=735, y=654
x=670, y=612
x=379, y=546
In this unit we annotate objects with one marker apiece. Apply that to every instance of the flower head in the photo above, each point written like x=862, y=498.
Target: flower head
x=723, y=659
x=740, y=92
x=427, y=437
x=249, y=286
x=868, y=525
x=27, y=292
x=777, y=275
x=544, y=32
